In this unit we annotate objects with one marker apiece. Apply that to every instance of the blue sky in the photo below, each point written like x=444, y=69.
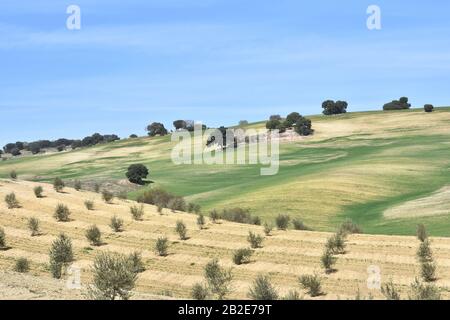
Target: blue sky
x=218, y=61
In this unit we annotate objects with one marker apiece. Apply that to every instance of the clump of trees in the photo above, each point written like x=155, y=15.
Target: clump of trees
x=428, y=108
x=36, y=147
x=136, y=173
x=400, y=104
x=294, y=120
x=61, y=255
x=331, y=107
x=262, y=289
x=156, y=129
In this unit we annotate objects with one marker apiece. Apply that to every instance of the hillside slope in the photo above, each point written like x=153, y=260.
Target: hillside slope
x=285, y=255
x=356, y=165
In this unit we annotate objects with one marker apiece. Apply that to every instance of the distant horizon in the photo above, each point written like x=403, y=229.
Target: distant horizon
x=169, y=126
x=215, y=61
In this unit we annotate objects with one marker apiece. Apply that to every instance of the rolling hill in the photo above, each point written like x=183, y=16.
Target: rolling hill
x=387, y=171
x=285, y=255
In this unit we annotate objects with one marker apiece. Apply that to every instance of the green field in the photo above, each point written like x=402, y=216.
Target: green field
x=356, y=165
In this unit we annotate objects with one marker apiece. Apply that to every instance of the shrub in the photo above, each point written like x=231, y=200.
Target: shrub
x=201, y=221
x=2, y=238
x=336, y=244
x=62, y=213
x=97, y=187
x=428, y=108
x=193, y=208
x=122, y=195
x=61, y=255
x=349, y=227
x=58, y=185
x=299, y=225
x=77, y=185
x=239, y=215
x=181, y=229
x=107, y=196
x=113, y=277
x=242, y=256
x=160, y=209
x=11, y=201
x=156, y=196
x=137, y=212
x=421, y=232
x=199, y=292
x=214, y=216
x=312, y=284
x=89, y=204
x=428, y=271
x=116, y=224
x=136, y=262
x=255, y=240
x=22, y=265
x=282, y=221
x=262, y=289
x=421, y=291
x=13, y=174
x=176, y=203
x=218, y=279
x=390, y=291
x=38, y=191
x=136, y=173
x=328, y=261
x=424, y=252
x=292, y=295
x=267, y=229
x=161, y=246
x=94, y=235
x=33, y=225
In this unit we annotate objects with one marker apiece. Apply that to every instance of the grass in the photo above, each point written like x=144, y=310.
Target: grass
x=356, y=165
